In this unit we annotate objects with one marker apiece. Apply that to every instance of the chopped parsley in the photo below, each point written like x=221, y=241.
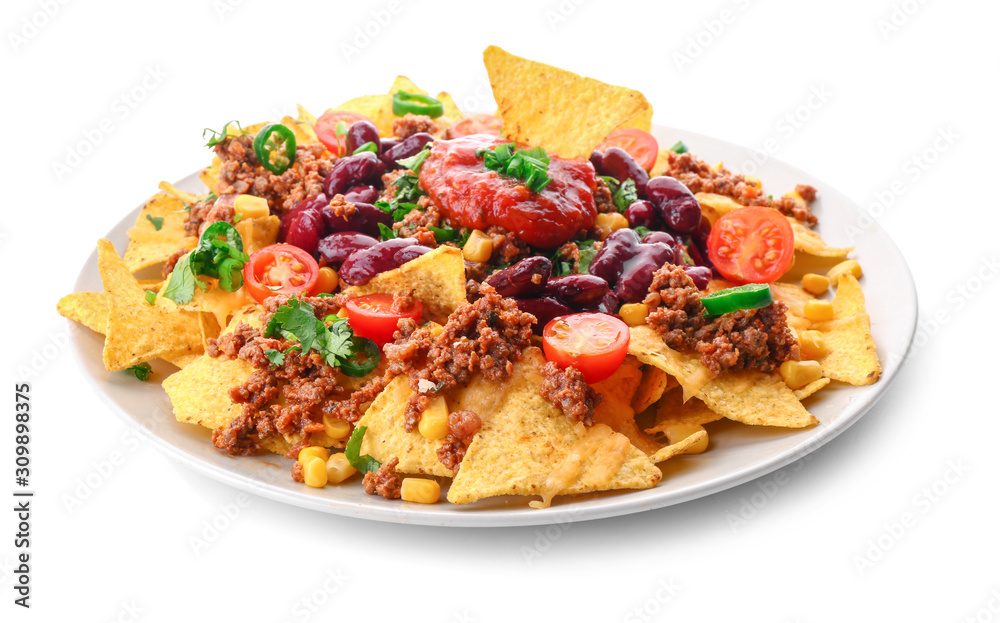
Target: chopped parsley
x=407, y=188
x=622, y=193
x=587, y=253
x=528, y=165
x=336, y=343
x=157, y=221
x=141, y=371
x=363, y=464
x=219, y=254
x=679, y=148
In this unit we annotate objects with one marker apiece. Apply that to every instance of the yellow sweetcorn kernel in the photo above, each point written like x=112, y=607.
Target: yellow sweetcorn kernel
x=420, y=490
x=338, y=469
x=251, y=207
x=812, y=344
x=314, y=472
x=434, y=419
x=815, y=284
x=798, y=374
x=608, y=222
x=479, y=247
x=634, y=314
x=317, y=451
x=847, y=266
x=435, y=329
x=818, y=311
x=336, y=428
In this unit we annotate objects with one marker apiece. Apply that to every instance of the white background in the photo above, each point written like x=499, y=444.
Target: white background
x=823, y=543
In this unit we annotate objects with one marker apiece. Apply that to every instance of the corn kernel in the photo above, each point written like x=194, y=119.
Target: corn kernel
x=251, y=207
x=798, y=374
x=314, y=472
x=421, y=490
x=336, y=428
x=338, y=469
x=681, y=431
x=847, y=266
x=434, y=420
x=815, y=284
x=317, y=451
x=435, y=329
x=634, y=314
x=608, y=222
x=818, y=311
x=753, y=180
x=812, y=345
x=478, y=248
x=342, y=313
x=327, y=281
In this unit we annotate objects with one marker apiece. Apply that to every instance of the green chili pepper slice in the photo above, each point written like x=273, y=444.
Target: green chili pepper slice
x=365, y=360
x=749, y=296
x=267, y=147
x=403, y=102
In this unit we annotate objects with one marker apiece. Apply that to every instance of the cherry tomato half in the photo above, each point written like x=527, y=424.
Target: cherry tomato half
x=326, y=129
x=477, y=124
x=752, y=245
x=372, y=316
x=640, y=145
x=594, y=344
x=280, y=269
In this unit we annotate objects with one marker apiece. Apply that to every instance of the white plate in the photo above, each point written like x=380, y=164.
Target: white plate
x=738, y=453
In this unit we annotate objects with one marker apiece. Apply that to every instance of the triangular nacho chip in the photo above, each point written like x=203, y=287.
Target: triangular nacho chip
x=647, y=346
x=616, y=411
x=136, y=330
x=565, y=113
x=147, y=245
x=88, y=308
x=675, y=449
x=804, y=392
x=851, y=354
x=808, y=241
x=200, y=391
x=752, y=397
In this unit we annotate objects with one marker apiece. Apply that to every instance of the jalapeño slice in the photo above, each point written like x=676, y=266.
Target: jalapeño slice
x=749, y=296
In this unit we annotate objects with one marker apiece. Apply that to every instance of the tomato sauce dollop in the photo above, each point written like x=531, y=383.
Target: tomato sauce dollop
x=469, y=195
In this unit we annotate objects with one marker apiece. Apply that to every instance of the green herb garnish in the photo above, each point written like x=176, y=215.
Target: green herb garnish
x=414, y=163
x=157, y=221
x=369, y=146
x=529, y=165
x=622, y=193
x=221, y=135
x=363, y=464
x=141, y=371
x=679, y=148
x=336, y=343
x=219, y=254
x=151, y=297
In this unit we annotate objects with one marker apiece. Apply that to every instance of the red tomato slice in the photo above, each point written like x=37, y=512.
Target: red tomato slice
x=752, y=245
x=594, y=344
x=326, y=129
x=477, y=124
x=640, y=145
x=372, y=316
x=280, y=269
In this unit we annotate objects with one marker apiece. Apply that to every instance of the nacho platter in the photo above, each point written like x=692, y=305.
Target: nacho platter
x=738, y=453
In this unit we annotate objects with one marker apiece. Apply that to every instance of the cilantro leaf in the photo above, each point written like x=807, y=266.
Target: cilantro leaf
x=363, y=464
x=408, y=187
x=296, y=321
x=528, y=165
x=141, y=371
x=624, y=195
x=183, y=281
x=386, y=231
x=444, y=234
x=369, y=146
x=157, y=221
x=221, y=135
x=276, y=357
x=587, y=253
x=414, y=163
x=219, y=254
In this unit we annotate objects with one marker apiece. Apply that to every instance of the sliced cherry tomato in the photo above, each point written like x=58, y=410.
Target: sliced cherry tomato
x=752, y=245
x=477, y=124
x=280, y=269
x=640, y=145
x=326, y=129
x=594, y=344
x=372, y=316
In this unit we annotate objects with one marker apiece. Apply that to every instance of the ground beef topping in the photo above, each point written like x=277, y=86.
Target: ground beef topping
x=507, y=248
x=416, y=223
x=487, y=336
x=462, y=427
x=410, y=124
x=699, y=177
x=757, y=339
x=341, y=207
x=566, y=389
x=241, y=173
x=602, y=197
x=384, y=481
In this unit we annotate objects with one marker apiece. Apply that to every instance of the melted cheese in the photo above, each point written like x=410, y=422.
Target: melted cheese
x=598, y=437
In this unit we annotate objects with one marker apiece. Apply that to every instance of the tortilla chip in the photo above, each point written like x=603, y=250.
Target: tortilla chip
x=209, y=176
x=615, y=410
x=181, y=361
x=563, y=112
x=804, y=392
x=668, y=452
x=402, y=83
x=305, y=116
x=752, y=397
x=795, y=298
x=200, y=391
x=436, y=278
x=178, y=194
x=852, y=357
x=138, y=331
x=653, y=385
x=452, y=113
x=378, y=108
x=672, y=410
x=88, y=308
x=808, y=241
x=714, y=206
x=147, y=245
x=647, y=346
x=526, y=440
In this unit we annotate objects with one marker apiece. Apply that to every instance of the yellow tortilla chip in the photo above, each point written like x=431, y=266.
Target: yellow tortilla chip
x=672, y=410
x=647, y=346
x=652, y=387
x=148, y=245
x=402, y=83
x=180, y=195
x=88, y=308
x=199, y=393
x=563, y=112
x=804, y=392
x=851, y=357
x=181, y=361
x=528, y=441
x=795, y=298
x=668, y=452
x=615, y=410
x=752, y=397
x=209, y=176
x=378, y=108
x=452, y=113
x=808, y=241
x=436, y=278
x=138, y=331
x=714, y=206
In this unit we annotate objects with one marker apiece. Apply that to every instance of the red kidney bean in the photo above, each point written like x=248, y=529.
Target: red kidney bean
x=409, y=253
x=642, y=213
x=620, y=165
x=363, y=168
x=677, y=205
x=607, y=305
x=597, y=159
x=361, y=194
x=316, y=202
x=362, y=132
x=364, y=219
x=577, y=290
x=364, y=264
x=543, y=309
x=406, y=148
x=336, y=248
x=628, y=264
x=305, y=229
x=700, y=275
x=522, y=279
